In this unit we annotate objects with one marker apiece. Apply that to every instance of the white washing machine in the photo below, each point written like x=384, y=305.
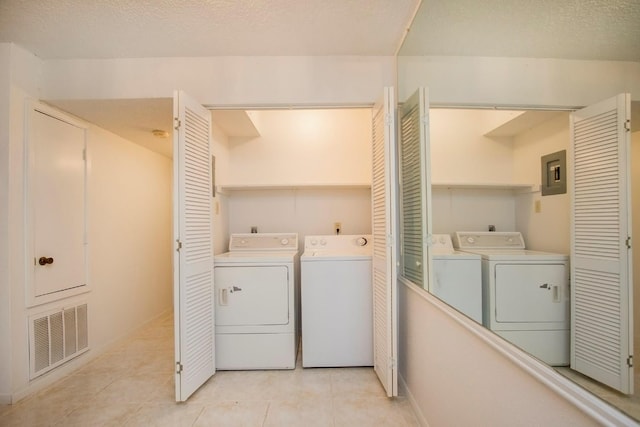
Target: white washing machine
x=525, y=294
x=337, y=301
x=256, y=292
x=457, y=277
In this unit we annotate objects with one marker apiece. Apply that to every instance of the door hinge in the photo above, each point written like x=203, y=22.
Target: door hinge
x=387, y=119
x=630, y=361
x=176, y=123
x=179, y=245
x=627, y=125
x=628, y=242
x=178, y=367
x=84, y=154
x=425, y=120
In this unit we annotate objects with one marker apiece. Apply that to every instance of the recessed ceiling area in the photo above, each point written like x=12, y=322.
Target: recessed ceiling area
x=132, y=119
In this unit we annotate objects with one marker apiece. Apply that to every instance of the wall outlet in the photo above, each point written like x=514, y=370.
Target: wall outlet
x=337, y=226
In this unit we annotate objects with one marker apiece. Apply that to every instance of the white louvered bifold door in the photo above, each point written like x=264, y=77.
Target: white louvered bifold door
x=385, y=314
x=601, y=298
x=193, y=256
x=415, y=189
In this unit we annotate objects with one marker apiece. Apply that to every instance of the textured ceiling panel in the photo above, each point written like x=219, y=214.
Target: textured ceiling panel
x=161, y=28
x=571, y=29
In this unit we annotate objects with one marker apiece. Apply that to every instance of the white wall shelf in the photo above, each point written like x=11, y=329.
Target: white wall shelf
x=223, y=189
x=521, y=188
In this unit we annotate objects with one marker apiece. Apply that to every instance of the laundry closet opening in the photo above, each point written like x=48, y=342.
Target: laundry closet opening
x=291, y=170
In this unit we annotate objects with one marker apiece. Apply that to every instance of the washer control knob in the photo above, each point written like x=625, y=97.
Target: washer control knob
x=471, y=240
x=323, y=242
x=314, y=242
x=361, y=241
x=284, y=242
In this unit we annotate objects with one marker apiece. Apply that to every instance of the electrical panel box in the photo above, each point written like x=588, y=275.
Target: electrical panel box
x=554, y=173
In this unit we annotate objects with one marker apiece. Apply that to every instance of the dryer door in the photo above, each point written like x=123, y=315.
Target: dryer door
x=251, y=295
x=531, y=293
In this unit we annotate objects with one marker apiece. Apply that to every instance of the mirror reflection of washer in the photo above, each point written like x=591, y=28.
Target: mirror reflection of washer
x=457, y=277
x=337, y=301
x=525, y=294
x=256, y=292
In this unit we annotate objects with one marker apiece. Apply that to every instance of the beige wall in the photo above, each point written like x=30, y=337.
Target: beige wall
x=547, y=230
x=129, y=234
x=304, y=147
x=228, y=80
x=5, y=289
x=220, y=149
x=457, y=379
x=516, y=81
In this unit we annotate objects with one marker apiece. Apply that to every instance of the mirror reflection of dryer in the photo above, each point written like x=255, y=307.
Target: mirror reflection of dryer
x=457, y=277
x=525, y=294
x=256, y=290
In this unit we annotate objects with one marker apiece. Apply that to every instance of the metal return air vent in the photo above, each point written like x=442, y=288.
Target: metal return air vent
x=56, y=337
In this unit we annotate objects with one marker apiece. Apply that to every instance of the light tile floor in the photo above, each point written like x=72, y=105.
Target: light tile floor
x=132, y=385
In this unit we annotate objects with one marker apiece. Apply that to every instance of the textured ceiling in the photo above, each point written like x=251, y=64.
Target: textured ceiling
x=571, y=29
x=574, y=29
x=186, y=28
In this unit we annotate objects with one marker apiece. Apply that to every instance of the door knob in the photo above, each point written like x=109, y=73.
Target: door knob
x=44, y=260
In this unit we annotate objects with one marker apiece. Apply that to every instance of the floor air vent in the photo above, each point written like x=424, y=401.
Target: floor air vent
x=55, y=337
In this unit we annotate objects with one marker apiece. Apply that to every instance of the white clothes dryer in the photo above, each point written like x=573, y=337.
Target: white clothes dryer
x=525, y=294
x=256, y=291
x=337, y=301
x=457, y=277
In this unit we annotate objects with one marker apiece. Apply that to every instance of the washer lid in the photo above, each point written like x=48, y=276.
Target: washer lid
x=454, y=255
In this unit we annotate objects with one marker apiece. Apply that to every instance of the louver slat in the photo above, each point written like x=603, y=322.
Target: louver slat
x=194, y=277
x=599, y=333
x=412, y=196
x=384, y=337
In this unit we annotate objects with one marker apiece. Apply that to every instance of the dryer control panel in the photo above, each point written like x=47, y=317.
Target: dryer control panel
x=263, y=242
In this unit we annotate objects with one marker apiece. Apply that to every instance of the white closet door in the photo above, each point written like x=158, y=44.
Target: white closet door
x=601, y=292
x=415, y=190
x=193, y=257
x=385, y=314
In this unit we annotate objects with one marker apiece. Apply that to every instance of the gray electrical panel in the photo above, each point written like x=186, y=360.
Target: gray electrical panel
x=554, y=173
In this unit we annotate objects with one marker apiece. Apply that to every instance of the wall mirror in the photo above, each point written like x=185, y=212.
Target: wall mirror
x=484, y=164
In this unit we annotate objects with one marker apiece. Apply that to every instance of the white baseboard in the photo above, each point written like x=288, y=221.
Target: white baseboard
x=404, y=391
